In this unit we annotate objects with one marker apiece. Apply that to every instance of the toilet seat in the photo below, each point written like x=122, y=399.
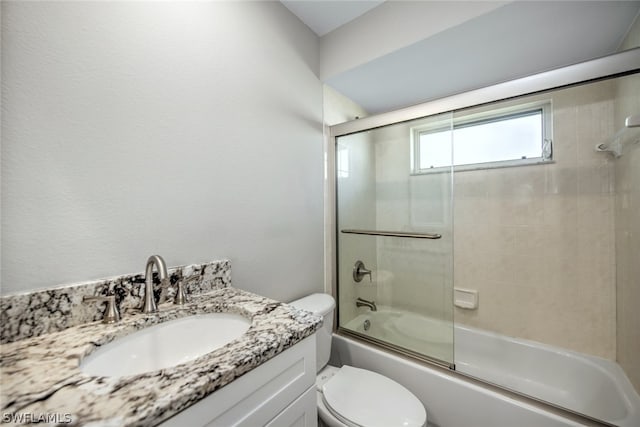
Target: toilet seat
x=358, y=397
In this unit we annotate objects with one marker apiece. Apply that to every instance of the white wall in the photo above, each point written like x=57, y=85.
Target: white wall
x=188, y=129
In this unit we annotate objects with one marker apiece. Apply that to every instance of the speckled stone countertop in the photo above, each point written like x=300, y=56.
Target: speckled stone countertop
x=41, y=379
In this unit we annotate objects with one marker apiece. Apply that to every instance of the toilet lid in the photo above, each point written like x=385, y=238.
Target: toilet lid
x=368, y=399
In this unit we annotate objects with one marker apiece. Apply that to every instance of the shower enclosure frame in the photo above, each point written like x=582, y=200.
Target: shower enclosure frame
x=612, y=66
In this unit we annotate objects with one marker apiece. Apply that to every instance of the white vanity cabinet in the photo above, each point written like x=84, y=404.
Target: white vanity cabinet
x=279, y=393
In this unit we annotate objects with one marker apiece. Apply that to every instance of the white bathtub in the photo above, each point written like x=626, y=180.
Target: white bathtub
x=585, y=384
x=412, y=331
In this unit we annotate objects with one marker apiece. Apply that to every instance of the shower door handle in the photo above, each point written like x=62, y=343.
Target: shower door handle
x=393, y=234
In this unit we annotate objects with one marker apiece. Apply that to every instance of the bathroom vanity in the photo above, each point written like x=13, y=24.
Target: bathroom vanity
x=264, y=377
x=280, y=392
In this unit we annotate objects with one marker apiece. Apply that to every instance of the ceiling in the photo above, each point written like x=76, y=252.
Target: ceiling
x=515, y=40
x=325, y=16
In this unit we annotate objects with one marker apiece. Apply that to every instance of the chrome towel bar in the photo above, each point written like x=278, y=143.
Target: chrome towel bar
x=393, y=234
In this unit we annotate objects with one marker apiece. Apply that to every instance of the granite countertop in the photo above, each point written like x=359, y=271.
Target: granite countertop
x=41, y=379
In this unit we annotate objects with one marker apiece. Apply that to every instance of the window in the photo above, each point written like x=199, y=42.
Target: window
x=499, y=137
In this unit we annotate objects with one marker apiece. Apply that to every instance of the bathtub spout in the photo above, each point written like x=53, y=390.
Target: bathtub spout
x=364, y=303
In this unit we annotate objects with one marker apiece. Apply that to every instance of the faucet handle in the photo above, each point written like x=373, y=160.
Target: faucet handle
x=180, y=298
x=111, y=314
x=359, y=271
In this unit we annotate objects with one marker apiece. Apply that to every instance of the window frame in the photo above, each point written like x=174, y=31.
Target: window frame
x=482, y=117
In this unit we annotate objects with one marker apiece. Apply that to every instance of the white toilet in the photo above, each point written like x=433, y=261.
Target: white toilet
x=356, y=397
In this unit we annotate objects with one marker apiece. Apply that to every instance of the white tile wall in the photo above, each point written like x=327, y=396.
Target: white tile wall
x=538, y=242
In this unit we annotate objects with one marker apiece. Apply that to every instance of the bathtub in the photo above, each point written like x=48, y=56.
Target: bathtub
x=581, y=383
x=409, y=330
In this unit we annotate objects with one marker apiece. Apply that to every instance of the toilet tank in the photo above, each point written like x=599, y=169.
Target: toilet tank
x=320, y=305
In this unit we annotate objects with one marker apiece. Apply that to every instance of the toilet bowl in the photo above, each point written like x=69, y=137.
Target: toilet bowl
x=354, y=397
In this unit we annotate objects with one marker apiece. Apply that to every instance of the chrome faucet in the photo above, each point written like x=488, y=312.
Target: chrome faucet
x=149, y=301
x=364, y=303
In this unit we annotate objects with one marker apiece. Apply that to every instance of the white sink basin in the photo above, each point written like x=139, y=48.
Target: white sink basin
x=165, y=345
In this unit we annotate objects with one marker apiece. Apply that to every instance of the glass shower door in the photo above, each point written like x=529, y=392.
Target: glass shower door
x=394, y=237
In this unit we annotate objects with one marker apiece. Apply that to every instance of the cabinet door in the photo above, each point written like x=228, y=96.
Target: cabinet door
x=301, y=413
x=258, y=396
